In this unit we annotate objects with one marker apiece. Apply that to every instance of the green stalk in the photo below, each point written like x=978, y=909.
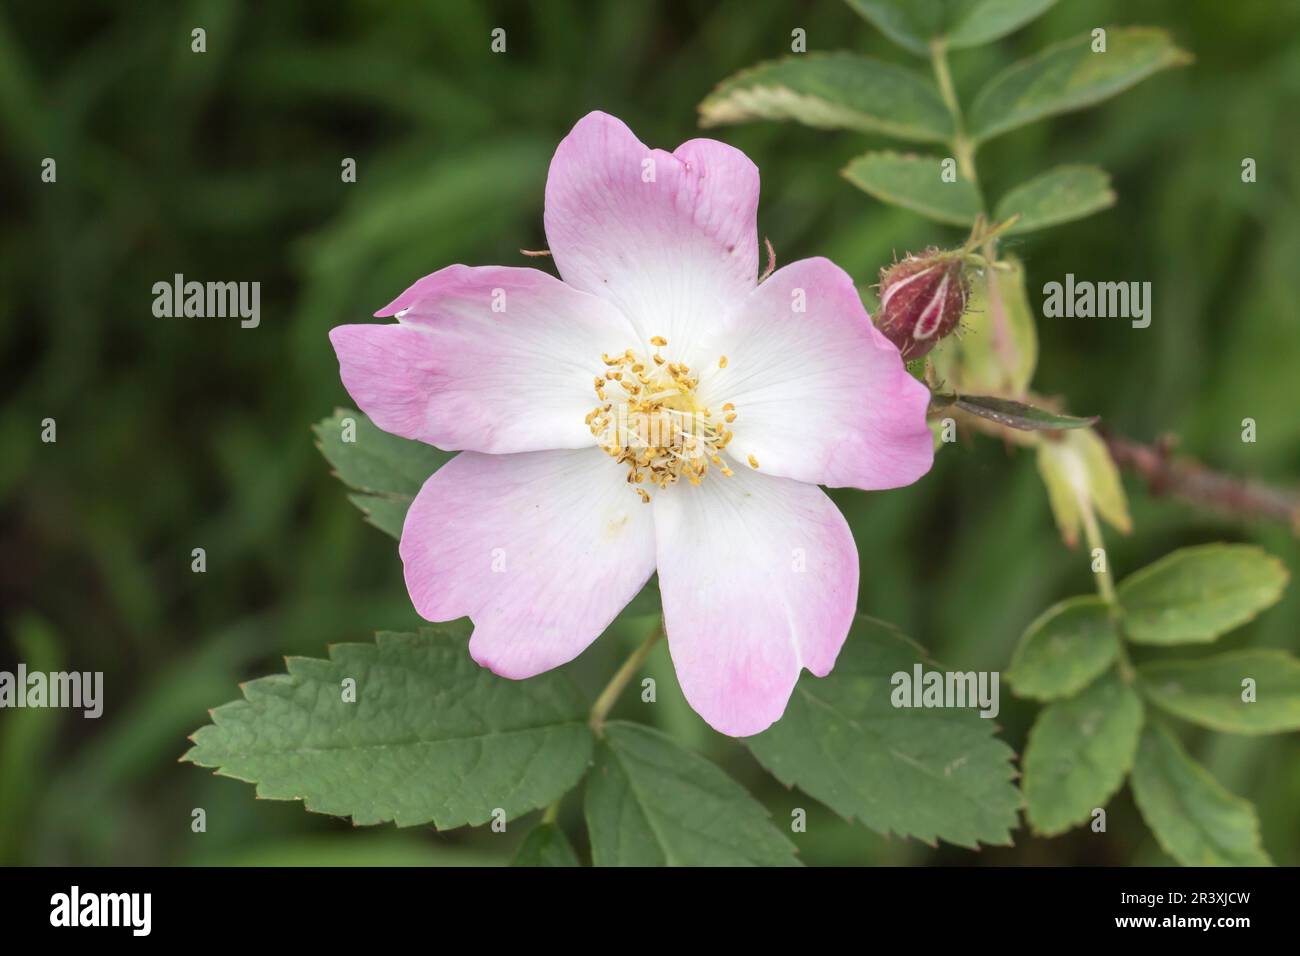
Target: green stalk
x=963, y=146
x=1105, y=582
x=605, y=702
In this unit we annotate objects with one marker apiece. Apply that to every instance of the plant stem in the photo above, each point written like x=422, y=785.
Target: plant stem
x=1105, y=583
x=1092, y=532
x=1194, y=483
x=964, y=148
x=1179, y=478
x=962, y=144
x=605, y=702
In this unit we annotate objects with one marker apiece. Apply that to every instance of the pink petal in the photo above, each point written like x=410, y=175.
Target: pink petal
x=456, y=373
x=759, y=577
x=675, y=254
x=821, y=395
x=541, y=550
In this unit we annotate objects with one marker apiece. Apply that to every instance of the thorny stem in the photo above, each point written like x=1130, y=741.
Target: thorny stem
x=1185, y=479
x=1188, y=480
x=1195, y=484
x=605, y=702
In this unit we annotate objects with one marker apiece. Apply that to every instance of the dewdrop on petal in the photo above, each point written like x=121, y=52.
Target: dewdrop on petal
x=922, y=298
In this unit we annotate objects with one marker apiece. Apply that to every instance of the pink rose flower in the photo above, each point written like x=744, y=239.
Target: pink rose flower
x=658, y=409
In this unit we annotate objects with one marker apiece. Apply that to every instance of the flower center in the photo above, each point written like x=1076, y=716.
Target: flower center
x=651, y=419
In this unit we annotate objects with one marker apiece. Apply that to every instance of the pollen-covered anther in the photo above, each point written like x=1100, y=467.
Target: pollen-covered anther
x=651, y=419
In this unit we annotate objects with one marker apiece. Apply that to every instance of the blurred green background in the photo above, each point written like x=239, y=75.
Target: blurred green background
x=183, y=433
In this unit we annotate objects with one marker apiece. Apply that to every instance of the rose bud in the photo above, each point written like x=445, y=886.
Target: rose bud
x=922, y=298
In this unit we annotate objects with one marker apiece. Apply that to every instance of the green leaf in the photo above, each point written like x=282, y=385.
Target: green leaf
x=913, y=24
x=934, y=774
x=1209, y=691
x=996, y=351
x=833, y=91
x=1018, y=415
x=975, y=22
x=546, y=845
x=431, y=737
x=1067, y=648
x=1058, y=195
x=1078, y=468
x=915, y=183
x=386, y=513
x=383, y=471
x=1196, y=594
x=1070, y=76
x=652, y=803
x=1078, y=754
x=1194, y=819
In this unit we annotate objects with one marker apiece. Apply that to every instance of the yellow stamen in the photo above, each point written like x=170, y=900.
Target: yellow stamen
x=653, y=422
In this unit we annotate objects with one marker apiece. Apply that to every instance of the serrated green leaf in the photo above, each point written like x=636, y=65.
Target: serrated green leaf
x=915, y=183
x=1196, y=594
x=1194, y=819
x=1078, y=467
x=651, y=803
x=384, y=472
x=375, y=462
x=833, y=91
x=431, y=737
x=1064, y=650
x=1079, y=752
x=1058, y=195
x=388, y=514
x=914, y=24
x=934, y=774
x=1209, y=691
x=545, y=845
x=1070, y=76
x=1018, y=415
